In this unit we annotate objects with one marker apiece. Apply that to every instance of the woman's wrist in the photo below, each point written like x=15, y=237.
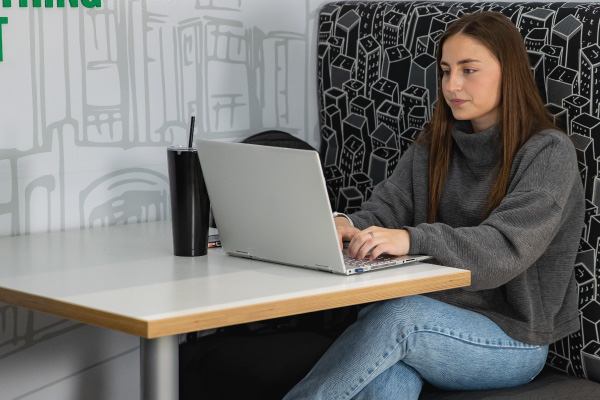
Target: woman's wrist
x=337, y=216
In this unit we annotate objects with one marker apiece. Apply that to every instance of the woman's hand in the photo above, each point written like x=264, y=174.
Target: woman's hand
x=395, y=242
x=345, y=231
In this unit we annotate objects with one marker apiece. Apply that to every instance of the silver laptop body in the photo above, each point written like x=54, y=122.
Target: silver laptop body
x=271, y=204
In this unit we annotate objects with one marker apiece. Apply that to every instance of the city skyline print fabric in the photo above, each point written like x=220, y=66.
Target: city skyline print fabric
x=377, y=85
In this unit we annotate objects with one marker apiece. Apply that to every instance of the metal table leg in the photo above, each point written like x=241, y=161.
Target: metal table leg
x=159, y=368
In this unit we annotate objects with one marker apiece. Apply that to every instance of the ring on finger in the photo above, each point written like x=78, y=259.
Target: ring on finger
x=372, y=234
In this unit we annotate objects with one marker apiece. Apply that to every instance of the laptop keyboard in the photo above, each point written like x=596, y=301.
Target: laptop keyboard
x=383, y=260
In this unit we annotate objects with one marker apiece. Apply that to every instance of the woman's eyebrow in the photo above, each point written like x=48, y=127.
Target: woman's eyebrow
x=465, y=61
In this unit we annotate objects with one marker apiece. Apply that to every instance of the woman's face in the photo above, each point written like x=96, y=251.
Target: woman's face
x=471, y=81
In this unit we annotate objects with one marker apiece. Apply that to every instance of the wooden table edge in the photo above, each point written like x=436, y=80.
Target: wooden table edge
x=300, y=305
x=64, y=309
x=149, y=329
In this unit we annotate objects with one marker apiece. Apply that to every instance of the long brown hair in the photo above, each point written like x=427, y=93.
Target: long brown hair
x=522, y=111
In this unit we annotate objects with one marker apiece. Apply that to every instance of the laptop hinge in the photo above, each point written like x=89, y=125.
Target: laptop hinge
x=240, y=253
x=323, y=267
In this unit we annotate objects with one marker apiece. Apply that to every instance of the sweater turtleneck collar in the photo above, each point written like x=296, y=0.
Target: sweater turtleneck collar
x=478, y=148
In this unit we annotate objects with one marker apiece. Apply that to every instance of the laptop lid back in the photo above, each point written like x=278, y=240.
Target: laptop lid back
x=270, y=203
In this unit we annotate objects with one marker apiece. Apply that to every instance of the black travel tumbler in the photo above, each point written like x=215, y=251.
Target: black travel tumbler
x=189, y=202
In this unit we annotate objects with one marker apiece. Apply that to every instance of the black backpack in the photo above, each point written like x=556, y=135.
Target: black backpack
x=278, y=139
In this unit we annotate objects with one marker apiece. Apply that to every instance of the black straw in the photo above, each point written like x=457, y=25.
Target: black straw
x=192, y=131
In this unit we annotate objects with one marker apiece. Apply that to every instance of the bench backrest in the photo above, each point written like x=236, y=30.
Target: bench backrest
x=377, y=85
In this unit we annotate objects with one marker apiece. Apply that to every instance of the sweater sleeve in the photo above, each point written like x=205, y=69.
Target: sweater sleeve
x=521, y=228
x=391, y=204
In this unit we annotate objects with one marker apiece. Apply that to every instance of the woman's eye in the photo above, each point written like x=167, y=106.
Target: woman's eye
x=445, y=72
x=469, y=70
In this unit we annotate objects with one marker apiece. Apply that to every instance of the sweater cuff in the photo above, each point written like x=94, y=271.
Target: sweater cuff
x=417, y=240
x=339, y=214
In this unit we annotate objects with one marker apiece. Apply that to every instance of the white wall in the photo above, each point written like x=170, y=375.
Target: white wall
x=90, y=99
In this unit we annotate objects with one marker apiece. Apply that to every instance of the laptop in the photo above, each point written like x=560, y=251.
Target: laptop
x=271, y=204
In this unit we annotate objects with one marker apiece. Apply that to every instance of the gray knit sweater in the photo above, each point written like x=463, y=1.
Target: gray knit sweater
x=521, y=256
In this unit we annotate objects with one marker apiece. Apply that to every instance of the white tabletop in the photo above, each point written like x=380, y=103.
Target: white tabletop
x=126, y=278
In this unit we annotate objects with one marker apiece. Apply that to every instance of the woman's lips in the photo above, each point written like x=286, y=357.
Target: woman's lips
x=458, y=102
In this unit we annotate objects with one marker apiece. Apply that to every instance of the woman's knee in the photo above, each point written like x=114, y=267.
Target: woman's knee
x=400, y=381
x=405, y=308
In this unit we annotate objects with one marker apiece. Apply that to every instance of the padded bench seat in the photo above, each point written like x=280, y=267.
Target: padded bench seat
x=377, y=86
x=550, y=384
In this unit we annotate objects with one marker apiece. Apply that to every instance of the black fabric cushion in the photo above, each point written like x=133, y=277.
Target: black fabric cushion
x=549, y=384
x=235, y=367
x=377, y=85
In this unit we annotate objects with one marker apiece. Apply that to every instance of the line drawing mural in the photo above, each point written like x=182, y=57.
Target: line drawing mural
x=132, y=80
x=19, y=331
x=95, y=97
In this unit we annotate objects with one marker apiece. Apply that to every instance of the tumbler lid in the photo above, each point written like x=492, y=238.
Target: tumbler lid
x=179, y=147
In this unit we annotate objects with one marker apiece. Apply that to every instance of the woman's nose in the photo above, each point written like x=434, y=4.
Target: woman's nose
x=453, y=82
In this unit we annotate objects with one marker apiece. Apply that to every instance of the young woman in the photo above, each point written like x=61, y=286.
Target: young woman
x=491, y=186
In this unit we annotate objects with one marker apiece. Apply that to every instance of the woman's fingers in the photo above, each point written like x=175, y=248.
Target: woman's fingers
x=370, y=246
x=377, y=241
x=345, y=232
x=362, y=242
x=379, y=250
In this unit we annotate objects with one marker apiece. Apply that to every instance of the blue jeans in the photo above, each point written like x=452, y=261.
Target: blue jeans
x=395, y=344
